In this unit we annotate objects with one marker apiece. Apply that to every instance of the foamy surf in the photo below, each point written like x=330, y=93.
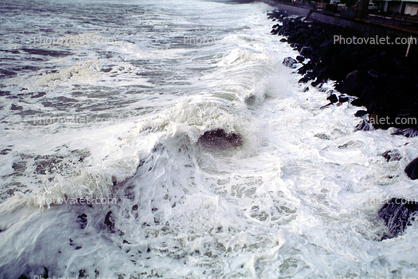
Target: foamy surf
x=162, y=154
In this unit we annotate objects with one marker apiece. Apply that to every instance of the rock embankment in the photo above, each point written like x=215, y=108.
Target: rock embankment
x=380, y=76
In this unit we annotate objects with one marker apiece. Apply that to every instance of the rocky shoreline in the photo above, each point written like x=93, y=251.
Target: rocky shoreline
x=377, y=77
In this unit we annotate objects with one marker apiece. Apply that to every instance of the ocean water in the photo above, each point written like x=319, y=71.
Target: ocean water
x=105, y=173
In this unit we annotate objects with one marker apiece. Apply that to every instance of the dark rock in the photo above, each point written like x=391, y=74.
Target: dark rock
x=397, y=215
x=283, y=40
x=290, y=62
x=325, y=45
x=343, y=99
x=333, y=98
x=364, y=126
x=300, y=58
x=109, y=221
x=408, y=132
x=360, y=113
x=384, y=82
x=392, y=155
x=353, y=83
x=306, y=89
x=220, y=139
x=250, y=100
x=412, y=169
x=306, y=50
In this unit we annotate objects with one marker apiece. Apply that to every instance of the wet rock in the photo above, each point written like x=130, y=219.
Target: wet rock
x=343, y=98
x=408, y=132
x=333, y=98
x=384, y=82
x=392, y=155
x=250, y=100
x=220, y=139
x=364, y=126
x=300, y=58
x=306, y=50
x=290, y=62
x=412, y=169
x=397, y=215
x=353, y=83
x=360, y=113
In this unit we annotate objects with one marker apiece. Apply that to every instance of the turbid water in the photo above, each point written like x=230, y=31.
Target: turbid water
x=144, y=139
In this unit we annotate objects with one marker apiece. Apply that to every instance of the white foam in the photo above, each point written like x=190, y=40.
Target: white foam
x=299, y=199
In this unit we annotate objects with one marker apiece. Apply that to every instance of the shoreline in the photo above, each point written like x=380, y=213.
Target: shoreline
x=376, y=74
x=382, y=81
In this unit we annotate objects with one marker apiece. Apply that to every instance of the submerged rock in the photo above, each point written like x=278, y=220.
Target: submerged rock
x=392, y=155
x=397, y=215
x=412, y=169
x=364, y=126
x=219, y=138
x=408, y=132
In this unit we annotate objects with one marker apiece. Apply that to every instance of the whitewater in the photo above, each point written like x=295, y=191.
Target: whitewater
x=107, y=171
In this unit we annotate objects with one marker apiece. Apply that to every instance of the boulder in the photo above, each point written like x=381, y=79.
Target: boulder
x=290, y=62
x=306, y=50
x=396, y=213
x=220, y=139
x=333, y=98
x=412, y=169
x=392, y=155
x=353, y=83
x=343, y=98
x=361, y=113
x=364, y=126
x=300, y=58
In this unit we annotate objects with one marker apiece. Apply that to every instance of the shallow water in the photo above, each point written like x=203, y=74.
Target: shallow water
x=105, y=102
